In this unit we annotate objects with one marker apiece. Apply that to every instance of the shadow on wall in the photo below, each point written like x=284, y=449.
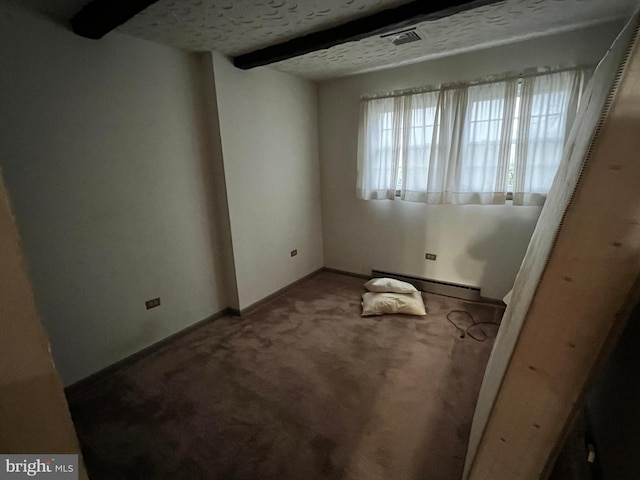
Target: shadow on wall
x=501, y=250
x=391, y=236
x=412, y=236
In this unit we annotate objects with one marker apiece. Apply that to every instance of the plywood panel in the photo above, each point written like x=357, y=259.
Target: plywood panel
x=34, y=418
x=575, y=281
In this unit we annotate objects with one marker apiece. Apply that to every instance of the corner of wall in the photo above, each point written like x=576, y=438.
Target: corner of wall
x=269, y=139
x=214, y=169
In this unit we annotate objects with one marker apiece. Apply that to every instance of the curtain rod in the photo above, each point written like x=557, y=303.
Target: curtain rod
x=528, y=73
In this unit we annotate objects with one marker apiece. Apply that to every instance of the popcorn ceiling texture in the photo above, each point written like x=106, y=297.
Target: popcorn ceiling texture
x=234, y=27
x=241, y=26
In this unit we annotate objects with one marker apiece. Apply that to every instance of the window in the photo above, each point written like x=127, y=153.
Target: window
x=420, y=137
x=468, y=144
x=511, y=170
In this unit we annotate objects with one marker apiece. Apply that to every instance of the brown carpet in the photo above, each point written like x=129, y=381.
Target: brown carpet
x=303, y=388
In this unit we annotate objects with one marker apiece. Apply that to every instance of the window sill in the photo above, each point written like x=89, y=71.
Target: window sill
x=508, y=199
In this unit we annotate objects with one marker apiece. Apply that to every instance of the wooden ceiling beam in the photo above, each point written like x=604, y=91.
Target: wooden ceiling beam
x=378, y=23
x=99, y=17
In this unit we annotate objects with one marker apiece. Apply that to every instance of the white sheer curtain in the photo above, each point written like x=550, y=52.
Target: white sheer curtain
x=423, y=172
x=478, y=173
x=547, y=110
x=459, y=144
x=379, y=148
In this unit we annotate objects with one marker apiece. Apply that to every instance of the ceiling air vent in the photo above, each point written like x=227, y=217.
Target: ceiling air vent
x=405, y=36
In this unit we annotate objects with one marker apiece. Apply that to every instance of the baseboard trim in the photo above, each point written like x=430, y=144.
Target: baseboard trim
x=83, y=383
x=344, y=272
x=448, y=289
x=254, y=306
x=100, y=374
x=487, y=300
x=492, y=301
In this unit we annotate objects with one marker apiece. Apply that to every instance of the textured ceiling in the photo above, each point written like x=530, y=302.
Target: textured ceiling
x=240, y=26
x=235, y=27
x=492, y=25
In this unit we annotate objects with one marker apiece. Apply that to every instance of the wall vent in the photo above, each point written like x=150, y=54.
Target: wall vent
x=402, y=37
x=464, y=292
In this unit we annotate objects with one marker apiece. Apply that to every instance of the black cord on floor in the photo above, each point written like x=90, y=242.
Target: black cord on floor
x=468, y=331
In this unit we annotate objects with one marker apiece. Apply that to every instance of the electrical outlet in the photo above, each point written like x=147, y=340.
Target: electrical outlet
x=430, y=256
x=154, y=302
x=294, y=252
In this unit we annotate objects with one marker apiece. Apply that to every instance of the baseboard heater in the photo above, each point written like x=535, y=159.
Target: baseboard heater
x=464, y=292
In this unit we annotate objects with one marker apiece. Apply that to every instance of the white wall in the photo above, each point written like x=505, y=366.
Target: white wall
x=476, y=245
x=268, y=127
x=105, y=157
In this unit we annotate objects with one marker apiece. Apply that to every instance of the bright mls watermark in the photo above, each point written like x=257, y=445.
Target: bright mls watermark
x=53, y=467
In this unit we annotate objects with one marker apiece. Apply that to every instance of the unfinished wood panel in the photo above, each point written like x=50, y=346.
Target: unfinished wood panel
x=575, y=281
x=34, y=418
x=544, y=235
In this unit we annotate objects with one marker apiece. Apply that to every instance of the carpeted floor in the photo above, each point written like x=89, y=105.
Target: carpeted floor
x=302, y=388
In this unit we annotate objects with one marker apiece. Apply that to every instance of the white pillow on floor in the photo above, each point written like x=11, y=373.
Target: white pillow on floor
x=380, y=303
x=389, y=285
